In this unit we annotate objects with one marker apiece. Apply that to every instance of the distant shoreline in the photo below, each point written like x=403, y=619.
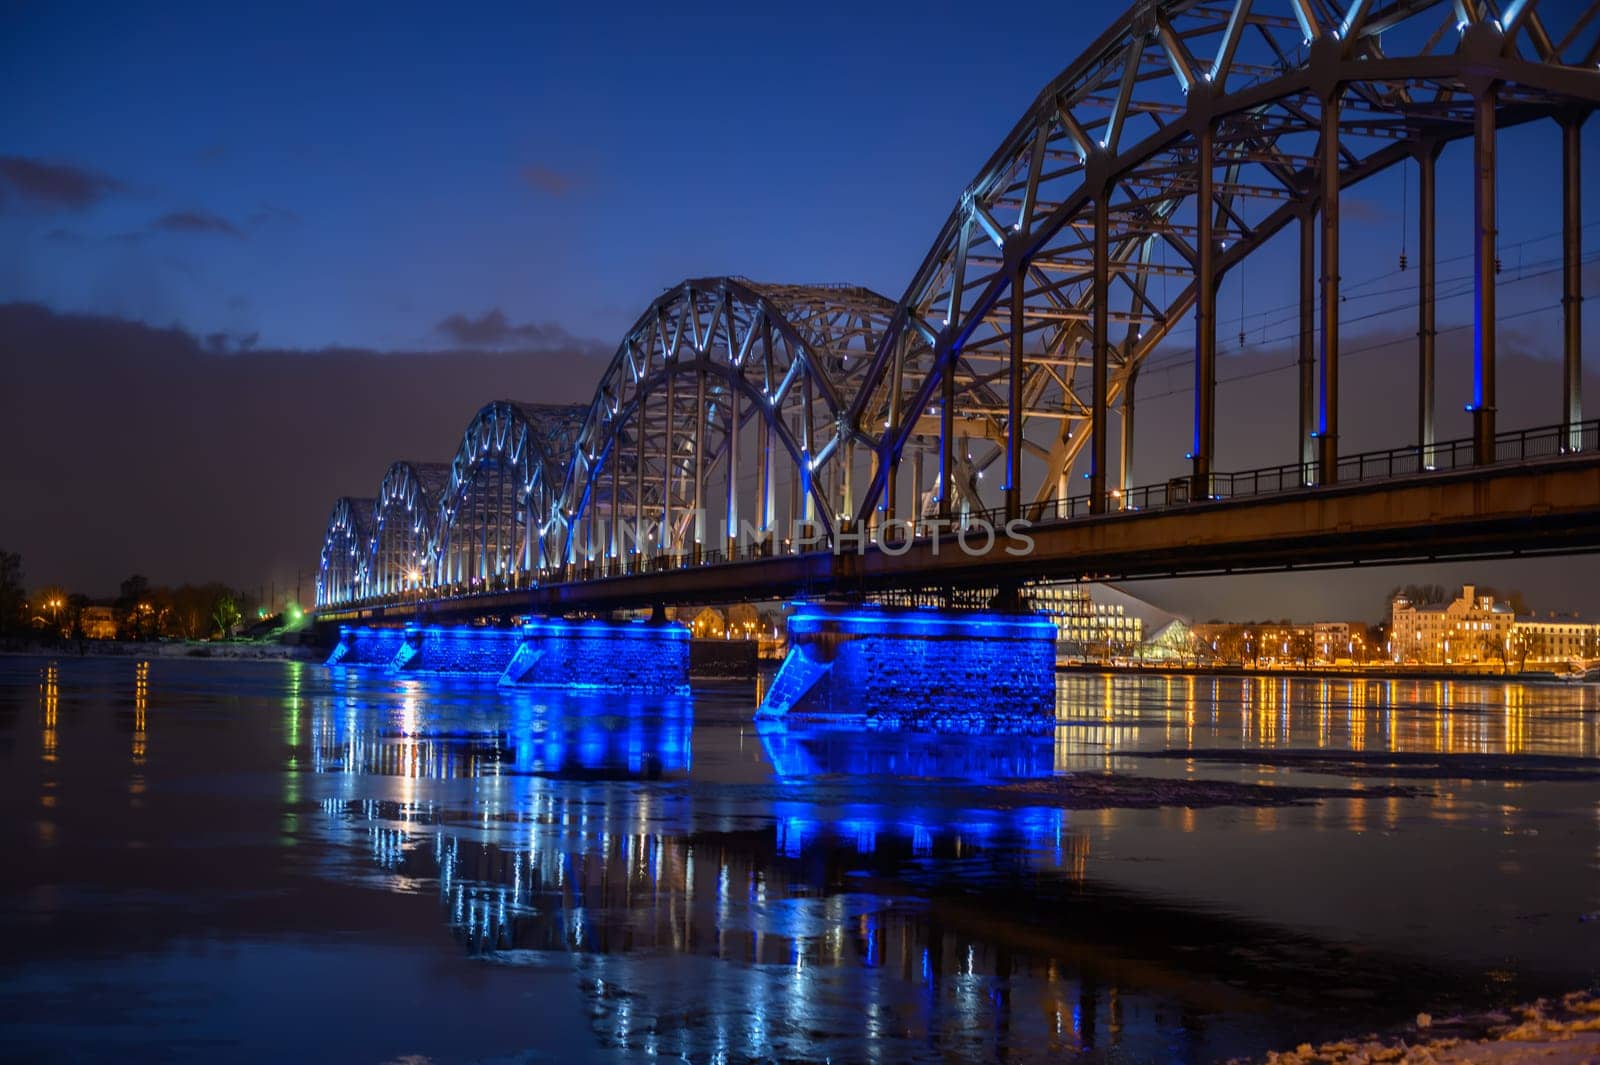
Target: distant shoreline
x=195, y=650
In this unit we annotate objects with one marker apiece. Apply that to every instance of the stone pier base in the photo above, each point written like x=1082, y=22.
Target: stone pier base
x=360, y=645
x=941, y=671
x=602, y=655
x=464, y=650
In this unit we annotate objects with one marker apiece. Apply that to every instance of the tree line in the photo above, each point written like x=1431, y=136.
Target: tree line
x=140, y=610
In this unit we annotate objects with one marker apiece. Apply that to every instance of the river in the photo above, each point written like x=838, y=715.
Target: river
x=237, y=861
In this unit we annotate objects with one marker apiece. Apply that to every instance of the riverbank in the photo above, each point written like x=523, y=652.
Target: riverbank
x=230, y=651
x=1549, y=1032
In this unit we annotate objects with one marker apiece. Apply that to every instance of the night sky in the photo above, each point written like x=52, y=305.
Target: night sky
x=248, y=256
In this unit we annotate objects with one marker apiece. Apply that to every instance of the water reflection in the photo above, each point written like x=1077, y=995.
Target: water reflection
x=847, y=939
x=813, y=752
x=506, y=733
x=1102, y=716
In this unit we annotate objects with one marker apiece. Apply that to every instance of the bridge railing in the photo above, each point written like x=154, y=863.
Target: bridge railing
x=1515, y=446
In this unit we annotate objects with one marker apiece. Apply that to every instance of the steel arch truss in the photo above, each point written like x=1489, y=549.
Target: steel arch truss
x=405, y=520
x=725, y=406
x=1181, y=141
x=501, y=487
x=344, y=551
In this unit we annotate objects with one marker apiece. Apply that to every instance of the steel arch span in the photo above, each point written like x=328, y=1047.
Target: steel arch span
x=344, y=551
x=1183, y=139
x=724, y=405
x=405, y=519
x=499, y=493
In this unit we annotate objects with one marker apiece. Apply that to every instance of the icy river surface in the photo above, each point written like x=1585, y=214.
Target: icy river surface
x=260, y=862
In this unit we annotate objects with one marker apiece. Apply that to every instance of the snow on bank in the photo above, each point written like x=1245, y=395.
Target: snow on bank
x=1564, y=1032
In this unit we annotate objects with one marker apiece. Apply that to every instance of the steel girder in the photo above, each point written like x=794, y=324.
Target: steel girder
x=724, y=404
x=405, y=519
x=344, y=548
x=1197, y=130
x=502, y=483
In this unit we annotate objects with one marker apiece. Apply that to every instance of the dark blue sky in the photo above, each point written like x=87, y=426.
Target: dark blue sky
x=382, y=168
x=316, y=177
x=290, y=177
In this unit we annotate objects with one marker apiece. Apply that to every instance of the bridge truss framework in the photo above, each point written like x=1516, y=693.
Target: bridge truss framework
x=1177, y=145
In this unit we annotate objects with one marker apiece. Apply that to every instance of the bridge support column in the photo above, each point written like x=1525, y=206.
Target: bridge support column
x=1572, y=279
x=1101, y=356
x=1308, y=346
x=947, y=439
x=1014, y=397
x=598, y=655
x=1205, y=321
x=1483, y=318
x=1427, y=211
x=1126, y=465
x=925, y=670
x=1328, y=414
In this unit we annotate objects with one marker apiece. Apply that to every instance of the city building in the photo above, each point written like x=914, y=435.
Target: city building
x=1468, y=629
x=99, y=622
x=1336, y=642
x=1091, y=621
x=1555, y=639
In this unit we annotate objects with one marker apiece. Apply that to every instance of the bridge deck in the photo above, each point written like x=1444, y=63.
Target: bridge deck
x=1535, y=507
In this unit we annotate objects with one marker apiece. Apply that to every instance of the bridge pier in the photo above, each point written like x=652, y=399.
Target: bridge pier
x=918, y=669
x=361, y=645
x=601, y=655
x=466, y=650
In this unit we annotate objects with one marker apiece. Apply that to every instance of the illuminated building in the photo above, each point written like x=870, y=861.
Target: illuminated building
x=1469, y=628
x=1087, y=627
x=99, y=622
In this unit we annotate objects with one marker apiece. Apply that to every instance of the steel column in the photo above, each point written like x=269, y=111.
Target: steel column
x=916, y=485
x=615, y=510
x=640, y=432
x=1572, y=280
x=947, y=437
x=763, y=471
x=1483, y=316
x=1205, y=323
x=1308, y=345
x=1014, y=399
x=731, y=533
x=1328, y=414
x=1427, y=213
x=1101, y=355
x=666, y=468
x=1126, y=463
x=699, y=512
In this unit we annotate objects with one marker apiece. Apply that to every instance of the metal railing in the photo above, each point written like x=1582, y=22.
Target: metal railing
x=1510, y=448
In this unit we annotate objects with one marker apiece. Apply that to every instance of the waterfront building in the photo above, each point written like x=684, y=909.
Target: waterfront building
x=1470, y=628
x=99, y=622
x=1555, y=639
x=1340, y=642
x=1092, y=621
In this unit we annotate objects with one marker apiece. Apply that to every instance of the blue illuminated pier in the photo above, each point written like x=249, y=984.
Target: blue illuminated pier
x=592, y=654
x=589, y=654
x=360, y=645
x=922, y=669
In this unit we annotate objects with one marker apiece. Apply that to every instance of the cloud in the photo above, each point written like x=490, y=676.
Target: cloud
x=54, y=186
x=493, y=331
x=196, y=222
x=550, y=182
